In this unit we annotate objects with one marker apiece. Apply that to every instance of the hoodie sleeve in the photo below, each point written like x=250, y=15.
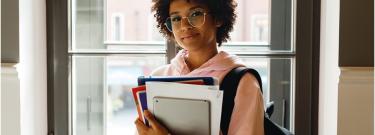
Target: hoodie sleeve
x=248, y=112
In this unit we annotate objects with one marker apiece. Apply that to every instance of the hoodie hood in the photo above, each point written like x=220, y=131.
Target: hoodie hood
x=221, y=61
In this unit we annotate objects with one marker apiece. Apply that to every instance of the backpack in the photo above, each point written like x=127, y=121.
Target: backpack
x=229, y=85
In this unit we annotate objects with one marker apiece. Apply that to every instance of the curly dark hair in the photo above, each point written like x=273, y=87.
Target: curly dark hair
x=221, y=10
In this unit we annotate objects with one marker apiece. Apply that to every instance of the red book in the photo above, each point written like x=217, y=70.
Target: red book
x=134, y=91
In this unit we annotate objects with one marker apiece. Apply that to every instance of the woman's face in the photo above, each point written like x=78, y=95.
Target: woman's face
x=197, y=34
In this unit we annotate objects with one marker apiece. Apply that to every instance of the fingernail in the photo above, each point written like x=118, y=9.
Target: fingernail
x=146, y=112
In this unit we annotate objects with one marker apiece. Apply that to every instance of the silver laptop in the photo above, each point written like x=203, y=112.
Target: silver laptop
x=183, y=116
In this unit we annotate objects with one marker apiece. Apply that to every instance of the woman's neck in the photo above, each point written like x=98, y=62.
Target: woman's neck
x=195, y=59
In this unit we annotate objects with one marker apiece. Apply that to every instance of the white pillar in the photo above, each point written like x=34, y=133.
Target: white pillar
x=329, y=67
x=33, y=67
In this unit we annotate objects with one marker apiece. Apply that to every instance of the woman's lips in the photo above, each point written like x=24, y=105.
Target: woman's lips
x=188, y=36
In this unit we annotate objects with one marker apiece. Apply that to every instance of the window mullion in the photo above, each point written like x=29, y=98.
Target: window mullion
x=171, y=50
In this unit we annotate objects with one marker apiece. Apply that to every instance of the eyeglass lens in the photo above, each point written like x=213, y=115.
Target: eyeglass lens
x=195, y=18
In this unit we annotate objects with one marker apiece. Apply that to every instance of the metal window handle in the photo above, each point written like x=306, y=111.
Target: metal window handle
x=283, y=113
x=88, y=100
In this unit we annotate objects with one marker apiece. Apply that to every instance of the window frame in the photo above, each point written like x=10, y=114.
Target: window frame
x=307, y=41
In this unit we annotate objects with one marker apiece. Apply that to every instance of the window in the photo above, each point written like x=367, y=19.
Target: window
x=102, y=101
x=91, y=78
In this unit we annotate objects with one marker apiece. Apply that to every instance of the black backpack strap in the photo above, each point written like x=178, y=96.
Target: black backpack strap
x=229, y=84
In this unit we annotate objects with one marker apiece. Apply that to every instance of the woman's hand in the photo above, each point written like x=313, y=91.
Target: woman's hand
x=155, y=127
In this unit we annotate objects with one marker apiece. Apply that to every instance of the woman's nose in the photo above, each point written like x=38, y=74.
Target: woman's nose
x=185, y=24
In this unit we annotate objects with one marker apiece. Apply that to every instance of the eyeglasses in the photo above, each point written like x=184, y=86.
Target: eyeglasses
x=196, y=18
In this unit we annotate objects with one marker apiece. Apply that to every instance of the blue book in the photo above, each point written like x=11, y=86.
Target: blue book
x=142, y=99
x=143, y=79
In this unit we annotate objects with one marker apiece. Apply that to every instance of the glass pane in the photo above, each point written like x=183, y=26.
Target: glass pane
x=98, y=24
x=101, y=91
x=262, y=25
x=137, y=21
x=277, y=86
x=114, y=25
x=253, y=22
x=87, y=24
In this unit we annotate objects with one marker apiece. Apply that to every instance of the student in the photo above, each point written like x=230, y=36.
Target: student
x=200, y=27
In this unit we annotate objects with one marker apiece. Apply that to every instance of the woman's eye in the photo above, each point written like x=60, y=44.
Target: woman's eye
x=197, y=13
x=175, y=19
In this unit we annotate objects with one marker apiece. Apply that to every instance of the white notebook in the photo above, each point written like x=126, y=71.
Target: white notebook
x=188, y=91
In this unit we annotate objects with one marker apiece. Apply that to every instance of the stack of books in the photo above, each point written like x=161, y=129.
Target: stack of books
x=180, y=94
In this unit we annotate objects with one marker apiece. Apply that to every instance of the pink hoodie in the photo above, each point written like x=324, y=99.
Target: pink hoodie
x=248, y=111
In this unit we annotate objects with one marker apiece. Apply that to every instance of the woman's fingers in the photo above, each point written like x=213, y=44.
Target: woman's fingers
x=142, y=128
x=151, y=119
x=156, y=128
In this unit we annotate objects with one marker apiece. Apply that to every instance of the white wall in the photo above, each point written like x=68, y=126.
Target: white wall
x=329, y=70
x=356, y=98
x=0, y=69
x=33, y=68
x=10, y=91
x=11, y=123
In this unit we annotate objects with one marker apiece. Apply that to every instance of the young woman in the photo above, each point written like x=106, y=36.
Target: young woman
x=200, y=27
